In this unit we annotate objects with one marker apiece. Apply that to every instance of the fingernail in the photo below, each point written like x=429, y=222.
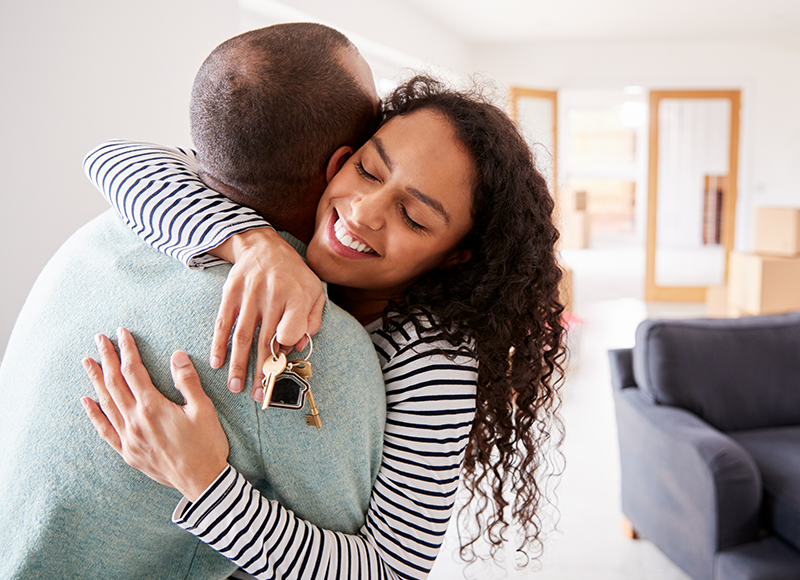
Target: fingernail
x=97, y=340
x=181, y=359
x=216, y=362
x=85, y=363
x=235, y=385
x=85, y=404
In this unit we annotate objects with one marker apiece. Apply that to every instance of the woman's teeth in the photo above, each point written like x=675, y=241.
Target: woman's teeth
x=347, y=240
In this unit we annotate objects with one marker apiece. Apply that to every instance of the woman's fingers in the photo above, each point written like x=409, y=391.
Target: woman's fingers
x=186, y=380
x=101, y=424
x=241, y=345
x=315, y=316
x=134, y=374
x=226, y=317
x=109, y=407
x=116, y=386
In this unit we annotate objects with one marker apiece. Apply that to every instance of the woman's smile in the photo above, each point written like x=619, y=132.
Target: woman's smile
x=348, y=241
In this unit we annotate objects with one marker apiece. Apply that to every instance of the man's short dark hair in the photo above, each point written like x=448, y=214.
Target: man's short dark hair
x=270, y=106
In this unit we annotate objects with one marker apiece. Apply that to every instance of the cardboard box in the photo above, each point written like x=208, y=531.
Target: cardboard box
x=575, y=230
x=778, y=231
x=760, y=284
x=717, y=302
x=579, y=203
x=565, y=288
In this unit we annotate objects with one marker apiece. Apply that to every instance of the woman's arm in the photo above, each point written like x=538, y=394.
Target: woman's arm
x=159, y=194
x=431, y=403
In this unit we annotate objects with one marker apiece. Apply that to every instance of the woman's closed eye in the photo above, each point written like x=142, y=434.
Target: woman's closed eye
x=409, y=222
x=363, y=172
x=403, y=213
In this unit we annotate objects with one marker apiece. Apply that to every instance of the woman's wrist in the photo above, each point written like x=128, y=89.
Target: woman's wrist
x=236, y=245
x=196, y=484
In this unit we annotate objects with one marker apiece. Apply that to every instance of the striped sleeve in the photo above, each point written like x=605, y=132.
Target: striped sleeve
x=158, y=193
x=430, y=408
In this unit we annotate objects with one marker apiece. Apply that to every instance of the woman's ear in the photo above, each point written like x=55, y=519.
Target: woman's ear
x=456, y=258
x=336, y=161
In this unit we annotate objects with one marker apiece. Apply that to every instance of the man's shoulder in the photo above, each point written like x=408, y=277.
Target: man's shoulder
x=107, y=246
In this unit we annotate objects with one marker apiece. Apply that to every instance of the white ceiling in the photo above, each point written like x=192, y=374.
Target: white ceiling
x=493, y=21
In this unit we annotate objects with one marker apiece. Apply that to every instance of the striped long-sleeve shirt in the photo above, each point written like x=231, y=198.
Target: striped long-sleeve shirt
x=430, y=405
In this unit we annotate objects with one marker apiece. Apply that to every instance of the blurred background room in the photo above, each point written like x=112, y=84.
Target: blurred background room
x=623, y=102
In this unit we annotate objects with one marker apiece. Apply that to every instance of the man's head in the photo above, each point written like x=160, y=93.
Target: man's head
x=269, y=108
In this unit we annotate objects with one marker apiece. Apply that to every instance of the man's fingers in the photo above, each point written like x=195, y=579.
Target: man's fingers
x=101, y=424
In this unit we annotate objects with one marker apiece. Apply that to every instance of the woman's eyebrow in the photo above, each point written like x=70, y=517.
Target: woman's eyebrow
x=376, y=141
x=434, y=204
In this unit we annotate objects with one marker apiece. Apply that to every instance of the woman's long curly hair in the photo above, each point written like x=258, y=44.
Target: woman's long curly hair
x=504, y=302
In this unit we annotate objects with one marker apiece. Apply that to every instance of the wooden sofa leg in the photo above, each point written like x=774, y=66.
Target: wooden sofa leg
x=628, y=531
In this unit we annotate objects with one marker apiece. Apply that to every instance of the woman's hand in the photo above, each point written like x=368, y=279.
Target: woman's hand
x=271, y=284
x=180, y=446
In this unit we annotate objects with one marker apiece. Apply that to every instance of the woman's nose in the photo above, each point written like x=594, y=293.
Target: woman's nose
x=369, y=210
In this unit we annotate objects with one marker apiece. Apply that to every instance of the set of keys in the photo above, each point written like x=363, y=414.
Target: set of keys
x=286, y=383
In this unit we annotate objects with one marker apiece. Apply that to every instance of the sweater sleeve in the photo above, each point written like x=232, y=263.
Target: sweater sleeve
x=430, y=408
x=159, y=194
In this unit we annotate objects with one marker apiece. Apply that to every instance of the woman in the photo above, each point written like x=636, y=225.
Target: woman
x=472, y=278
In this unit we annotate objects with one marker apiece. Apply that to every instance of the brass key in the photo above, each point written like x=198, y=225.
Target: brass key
x=273, y=366
x=313, y=417
x=302, y=368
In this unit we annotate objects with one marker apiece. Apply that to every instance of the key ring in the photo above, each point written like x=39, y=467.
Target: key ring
x=310, y=346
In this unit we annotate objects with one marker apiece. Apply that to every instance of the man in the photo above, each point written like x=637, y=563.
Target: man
x=70, y=507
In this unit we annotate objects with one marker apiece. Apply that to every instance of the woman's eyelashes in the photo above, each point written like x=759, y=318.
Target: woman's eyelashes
x=363, y=172
x=409, y=222
x=403, y=213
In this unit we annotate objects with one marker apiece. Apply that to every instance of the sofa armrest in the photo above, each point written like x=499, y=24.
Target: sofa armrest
x=621, y=363
x=687, y=487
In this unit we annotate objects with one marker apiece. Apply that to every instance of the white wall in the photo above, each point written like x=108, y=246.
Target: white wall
x=74, y=74
x=390, y=26
x=80, y=72
x=769, y=78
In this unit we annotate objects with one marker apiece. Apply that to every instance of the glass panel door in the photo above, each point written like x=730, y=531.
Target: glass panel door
x=692, y=191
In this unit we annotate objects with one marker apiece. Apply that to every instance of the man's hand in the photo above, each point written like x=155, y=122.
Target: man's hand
x=179, y=446
x=268, y=284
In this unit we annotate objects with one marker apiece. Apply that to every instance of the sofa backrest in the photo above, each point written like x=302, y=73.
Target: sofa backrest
x=741, y=373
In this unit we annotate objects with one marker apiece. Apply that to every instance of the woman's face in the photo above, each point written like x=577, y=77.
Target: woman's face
x=397, y=208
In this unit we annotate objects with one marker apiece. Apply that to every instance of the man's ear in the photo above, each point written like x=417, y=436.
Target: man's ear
x=456, y=258
x=336, y=161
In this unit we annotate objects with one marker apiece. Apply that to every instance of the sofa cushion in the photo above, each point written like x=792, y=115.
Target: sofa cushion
x=768, y=558
x=735, y=374
x=777, y=454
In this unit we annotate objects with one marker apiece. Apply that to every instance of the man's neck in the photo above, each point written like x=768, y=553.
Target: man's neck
x=301, y=227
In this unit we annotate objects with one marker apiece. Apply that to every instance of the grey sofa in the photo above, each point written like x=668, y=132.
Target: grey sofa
x=708, y=413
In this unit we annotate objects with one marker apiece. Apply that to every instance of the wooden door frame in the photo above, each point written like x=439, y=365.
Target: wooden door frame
x=514, y=94
x=689, y=293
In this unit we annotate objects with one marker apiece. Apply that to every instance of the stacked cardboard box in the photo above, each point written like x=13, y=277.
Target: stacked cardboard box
x=767, y=281
x=574, y=221
x=565, y=288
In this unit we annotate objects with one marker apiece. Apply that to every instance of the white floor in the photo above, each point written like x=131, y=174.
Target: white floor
x=588, y=542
